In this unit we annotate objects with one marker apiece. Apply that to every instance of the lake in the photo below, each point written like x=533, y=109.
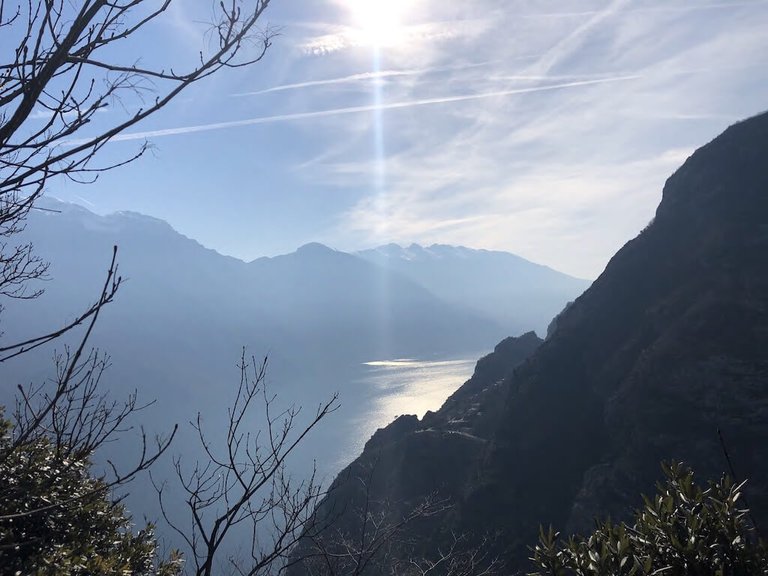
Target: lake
x=396, y=387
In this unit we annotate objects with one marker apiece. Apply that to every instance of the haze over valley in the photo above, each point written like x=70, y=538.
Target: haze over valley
x=383, y=288
x=184, y=313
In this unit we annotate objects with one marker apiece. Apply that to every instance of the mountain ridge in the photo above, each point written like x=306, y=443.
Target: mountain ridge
x=185, y=312
x=396, y=249
x=666, y=351
x=52, y=204
x=465, y=279
x=492, y=278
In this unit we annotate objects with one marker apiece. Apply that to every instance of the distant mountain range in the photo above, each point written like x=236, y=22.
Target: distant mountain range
x=664, y=357
x=492, y=283
x=179, y=322
x=386, y=302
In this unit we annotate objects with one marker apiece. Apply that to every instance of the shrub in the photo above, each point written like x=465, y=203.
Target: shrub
x=683, y=529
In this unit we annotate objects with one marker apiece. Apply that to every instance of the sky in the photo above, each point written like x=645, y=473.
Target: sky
x=545, y=128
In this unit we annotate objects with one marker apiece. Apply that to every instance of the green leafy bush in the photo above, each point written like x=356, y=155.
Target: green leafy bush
x=57, y=519
x=684, y=529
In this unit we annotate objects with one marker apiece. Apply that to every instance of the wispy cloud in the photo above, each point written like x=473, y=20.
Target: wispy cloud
x=46, y=114
x=358, y=78
x=688, y=7
x=556, y=147
x=699, y=6
x=85, y=201
x=545, y=214
x=562, y=177
x=351, y=79
x=185, y=29
x=345, y=37
x=182, y=130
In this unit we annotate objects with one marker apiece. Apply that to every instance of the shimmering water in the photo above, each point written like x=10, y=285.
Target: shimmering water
x=402, y=386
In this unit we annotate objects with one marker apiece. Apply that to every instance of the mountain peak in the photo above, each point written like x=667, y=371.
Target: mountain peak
x=315, y=248
x=114, y=221
x=723, y=180
x=665, y=348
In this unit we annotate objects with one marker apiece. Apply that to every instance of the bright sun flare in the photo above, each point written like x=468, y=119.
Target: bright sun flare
x=379, y=22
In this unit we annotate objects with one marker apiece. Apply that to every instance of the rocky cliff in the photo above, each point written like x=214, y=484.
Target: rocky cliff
x=665, y=353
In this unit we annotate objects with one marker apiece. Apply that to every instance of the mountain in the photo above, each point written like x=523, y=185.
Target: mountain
x=184, y=313
x=489, y=282
x=185, y=305
x=305, y=299
x=662, y=356
x=369, y=311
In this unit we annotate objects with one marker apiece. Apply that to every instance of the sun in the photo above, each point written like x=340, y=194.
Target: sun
x=378, y=22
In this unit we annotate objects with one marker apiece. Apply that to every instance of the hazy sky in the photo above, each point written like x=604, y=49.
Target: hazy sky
x=545, y=128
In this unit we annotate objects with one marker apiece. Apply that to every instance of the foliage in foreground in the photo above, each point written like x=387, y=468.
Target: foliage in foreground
x=683, y=529
x=56, y=518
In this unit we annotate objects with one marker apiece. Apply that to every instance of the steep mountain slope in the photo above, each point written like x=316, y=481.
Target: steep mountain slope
x=487, y=281
x=411, y=460
x=668, y=346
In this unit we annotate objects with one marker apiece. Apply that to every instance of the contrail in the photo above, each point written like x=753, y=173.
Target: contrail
x=661, y=8
x=359, y=77
x=84, y=201
x=331, y=81
x=350, y=110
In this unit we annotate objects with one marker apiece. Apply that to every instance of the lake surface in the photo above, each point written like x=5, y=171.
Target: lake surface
x=396, y=387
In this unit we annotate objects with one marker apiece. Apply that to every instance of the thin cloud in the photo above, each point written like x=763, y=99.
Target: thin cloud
x=185, y=29
x=570, y=43
x=347, y=37
x=84, y=201
x=351, y=79
x=559, y=180
x=353, y=110
x=537, y=222
x=686, y=8
x=361, y=77
x=702, y=6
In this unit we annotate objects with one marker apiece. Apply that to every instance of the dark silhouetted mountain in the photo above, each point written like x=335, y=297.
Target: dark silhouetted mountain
x=489, y=282
x=666, y=348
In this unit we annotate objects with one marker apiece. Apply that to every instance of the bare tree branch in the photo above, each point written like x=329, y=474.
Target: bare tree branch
x=242, y=481
x=62, y=73
x=76, y=418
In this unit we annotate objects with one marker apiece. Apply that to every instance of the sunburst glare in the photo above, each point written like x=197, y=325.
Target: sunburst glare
x=379, y=22
x=380, y=25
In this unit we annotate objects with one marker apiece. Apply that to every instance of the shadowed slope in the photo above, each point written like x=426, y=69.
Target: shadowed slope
x=669, y=345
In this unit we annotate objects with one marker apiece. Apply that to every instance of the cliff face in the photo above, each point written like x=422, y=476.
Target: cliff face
x=411, y=461
x=667, y=347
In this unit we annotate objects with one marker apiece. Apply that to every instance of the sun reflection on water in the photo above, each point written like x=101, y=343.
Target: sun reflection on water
x=402, y=386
